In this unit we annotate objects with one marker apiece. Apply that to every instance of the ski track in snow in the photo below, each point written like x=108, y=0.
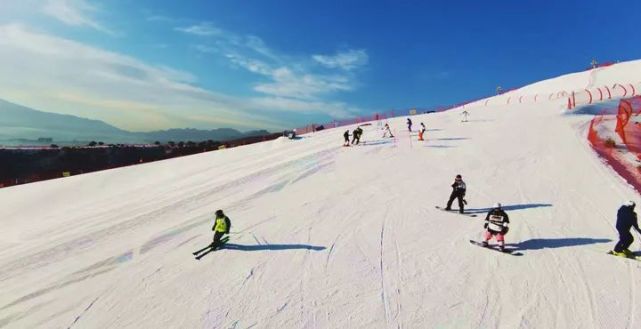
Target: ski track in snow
x=326, y=236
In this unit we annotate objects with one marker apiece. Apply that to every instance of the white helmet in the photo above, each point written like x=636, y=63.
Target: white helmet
x=497, y=205
x=629, y=203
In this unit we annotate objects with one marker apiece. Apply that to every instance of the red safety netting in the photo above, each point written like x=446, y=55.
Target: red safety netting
x=628, y=123
x=620, y=155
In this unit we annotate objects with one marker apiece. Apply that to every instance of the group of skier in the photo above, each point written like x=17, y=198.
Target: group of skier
x=387, y=133
x=421, y=131
x=496, y=224
x=356, y=136
x=496, y=221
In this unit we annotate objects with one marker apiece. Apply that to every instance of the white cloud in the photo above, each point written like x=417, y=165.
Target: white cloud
x=303, y=86
x=74, y=13
x=292, y=81
x=60, y=75
x=288, y=77
x=206, y=49
x=337, y=110
x=160, y=18
x=347, y=60
x=252, y=65
x=63, y=76
x=202, y=29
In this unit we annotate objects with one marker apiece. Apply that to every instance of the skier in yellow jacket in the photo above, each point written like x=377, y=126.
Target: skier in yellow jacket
x=221, y=227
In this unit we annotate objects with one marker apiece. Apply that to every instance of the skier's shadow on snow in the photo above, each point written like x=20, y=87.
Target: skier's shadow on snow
x=440, y=146
x=273, y=247
x=478, y=120
x=372, y=143
x=537, y=244
x=509, y=207
x=451, y=139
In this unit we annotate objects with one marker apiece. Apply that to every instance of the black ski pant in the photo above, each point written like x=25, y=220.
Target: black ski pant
x=356, y=140
x=217, y=237
x=459, y=196
x=625, y=240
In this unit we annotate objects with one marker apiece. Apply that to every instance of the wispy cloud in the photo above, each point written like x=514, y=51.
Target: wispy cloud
x=250, y=64
x=286, y=104
x=75, y=13
x=303, y=86
x=293, y=83
x=65, y=76
x=347, y=60
x=202, y=29
x=205, y=49
x=159, y=18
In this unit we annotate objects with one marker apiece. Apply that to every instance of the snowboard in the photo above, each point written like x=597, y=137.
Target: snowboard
x=455, y=212
x=512, y=252
x=202, y=252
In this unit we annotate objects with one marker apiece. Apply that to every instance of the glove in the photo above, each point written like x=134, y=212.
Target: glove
x=505, y=230
x=485, y=225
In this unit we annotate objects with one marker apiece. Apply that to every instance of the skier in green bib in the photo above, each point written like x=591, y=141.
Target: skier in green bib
x=221, y=227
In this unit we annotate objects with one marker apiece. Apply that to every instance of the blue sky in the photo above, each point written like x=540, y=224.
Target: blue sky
x=145, y=65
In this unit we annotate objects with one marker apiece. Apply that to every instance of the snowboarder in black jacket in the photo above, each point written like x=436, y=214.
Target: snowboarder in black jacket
x=346, y=136
x=496, y=224
x=626, y=219
x=357, y=135
x=458, y=192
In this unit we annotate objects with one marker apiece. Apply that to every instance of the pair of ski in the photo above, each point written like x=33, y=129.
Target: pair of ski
x=210, y=248
x=633, y=256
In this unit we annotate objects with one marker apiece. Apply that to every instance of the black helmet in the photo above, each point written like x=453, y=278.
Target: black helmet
x=219, y=213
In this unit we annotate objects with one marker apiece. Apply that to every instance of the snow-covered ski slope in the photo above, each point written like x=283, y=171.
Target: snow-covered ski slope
x=333, y=237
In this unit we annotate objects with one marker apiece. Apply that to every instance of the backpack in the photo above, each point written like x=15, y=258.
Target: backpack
x=228, y=222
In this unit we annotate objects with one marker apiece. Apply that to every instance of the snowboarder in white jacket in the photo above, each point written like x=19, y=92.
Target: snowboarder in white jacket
x=387, y=131
x=465, y=114
x=496, y=225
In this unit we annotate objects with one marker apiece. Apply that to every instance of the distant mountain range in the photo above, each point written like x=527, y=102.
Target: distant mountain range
x=22, y=125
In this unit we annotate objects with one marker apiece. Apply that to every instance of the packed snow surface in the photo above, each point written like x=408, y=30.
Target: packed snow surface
x=325, y=236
